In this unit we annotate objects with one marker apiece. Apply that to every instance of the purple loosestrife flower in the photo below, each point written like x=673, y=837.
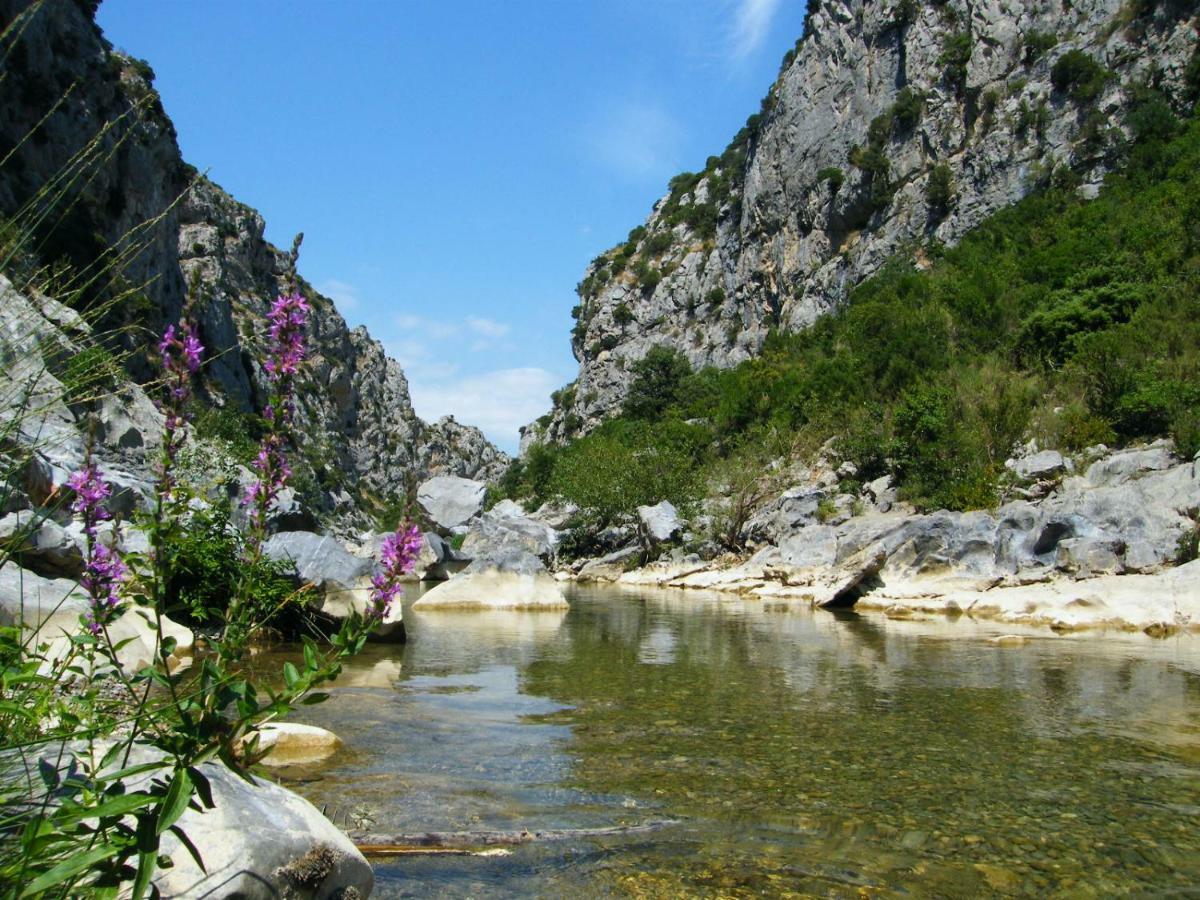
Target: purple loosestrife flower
x=91, y=490
x=397, y=556
x=180, y=351
x=286, y=323
x=103, y=576
x=103, y=570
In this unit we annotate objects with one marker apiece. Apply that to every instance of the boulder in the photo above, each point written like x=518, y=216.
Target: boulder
x=1090, y=556
x=52, y=608
x=1125, y=464
x=50, y=605
x=881, y=492
x=659, y=523
x=556, y=515
x=293, y=744
x=494, y=533
x=342, y=580
x=41, y=544
x=260, y=840
x=1038, y=466
x=612, y=565
x=450, y=501
x=503, y=576
x=509, y=508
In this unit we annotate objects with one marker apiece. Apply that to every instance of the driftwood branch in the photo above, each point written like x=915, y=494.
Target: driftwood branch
x=462, y=843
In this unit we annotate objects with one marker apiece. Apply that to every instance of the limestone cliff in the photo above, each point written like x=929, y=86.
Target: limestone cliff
x=72, y=105
x=891, y=124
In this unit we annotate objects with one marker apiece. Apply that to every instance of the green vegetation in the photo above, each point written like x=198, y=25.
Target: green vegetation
x=954, y=58
x=1037, y=45
x=940, y=191
x=1072, y=321
x=205, y=564
x=1079, y=76
x=835, y=176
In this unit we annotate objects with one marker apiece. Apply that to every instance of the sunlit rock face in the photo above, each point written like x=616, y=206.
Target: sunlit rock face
x=355, y=423
x=801, y=217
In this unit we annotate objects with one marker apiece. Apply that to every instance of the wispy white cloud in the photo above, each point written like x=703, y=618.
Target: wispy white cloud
x=751, y=22
x=499, y=402
x=425, y=327
x=636, y=140
x=487, y=327
x=343, y=294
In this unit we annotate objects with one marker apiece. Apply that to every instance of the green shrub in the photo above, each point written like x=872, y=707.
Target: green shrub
x=906, y=111
x=622, y=315
x=955, y=55
x=1079, y=76
x=940, y=189
x=835, y=176
x=622, y=466
x=1037, y=44
x=205, y=565
x=657, y=378
x=715, y=296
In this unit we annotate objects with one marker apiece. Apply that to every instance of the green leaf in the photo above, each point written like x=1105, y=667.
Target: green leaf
x=147, y=841
x=117, y=806
x=315, y=698
x=310, y=654
x=290, y=675
x=191, y=848
x=69, y=868
x=179, y=795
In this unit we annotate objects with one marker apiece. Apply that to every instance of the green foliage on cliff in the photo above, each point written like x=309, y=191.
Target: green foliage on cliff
x=1070, y=320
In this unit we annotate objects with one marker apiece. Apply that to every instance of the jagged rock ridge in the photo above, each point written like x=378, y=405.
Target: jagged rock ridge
x=358, y=430
x=891, y=124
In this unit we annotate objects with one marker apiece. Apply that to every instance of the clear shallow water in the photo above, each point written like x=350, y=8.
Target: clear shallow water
x=804, y=753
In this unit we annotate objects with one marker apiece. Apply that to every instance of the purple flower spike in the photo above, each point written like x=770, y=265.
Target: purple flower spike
x=91, y=490
x=397, y=556
x=104, y=572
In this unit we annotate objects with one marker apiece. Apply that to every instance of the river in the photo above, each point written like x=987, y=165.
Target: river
x=800, y=753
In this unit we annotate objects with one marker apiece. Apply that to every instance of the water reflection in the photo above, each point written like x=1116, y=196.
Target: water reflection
x=807, y=752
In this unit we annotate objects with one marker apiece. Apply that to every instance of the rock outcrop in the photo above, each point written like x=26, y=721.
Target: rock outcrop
x=359, y=437
x=1053, y=560
x=341, y=581
x=503, y=575
x=890, y=125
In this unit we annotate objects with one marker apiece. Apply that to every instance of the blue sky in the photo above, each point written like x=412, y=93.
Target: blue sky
x=455, y=165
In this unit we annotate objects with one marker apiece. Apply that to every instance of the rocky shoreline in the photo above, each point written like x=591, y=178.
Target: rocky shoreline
x=1102, y=549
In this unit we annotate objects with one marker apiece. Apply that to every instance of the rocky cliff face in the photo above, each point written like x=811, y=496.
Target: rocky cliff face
x=891, y=124
x=73, y=105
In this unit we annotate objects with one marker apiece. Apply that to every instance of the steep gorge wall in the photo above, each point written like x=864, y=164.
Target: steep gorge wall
x=881, y=107
x=355, y=417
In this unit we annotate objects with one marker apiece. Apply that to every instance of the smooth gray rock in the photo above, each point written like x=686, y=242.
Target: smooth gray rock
x=494, y=533
x=659, y=523
x=260, y=841
x=611, y=566
x=1125, y=464
x=510, y=508
x=341, y=579
x=808, y=548
x=502, y=575
x=42, y=544
x=51, y=604
x=1045, y=464
x=1088, y=556
x=318, y=559
x=450, y=501
x=555, y=514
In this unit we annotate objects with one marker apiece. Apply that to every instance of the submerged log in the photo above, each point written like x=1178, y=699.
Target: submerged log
x=462, y=843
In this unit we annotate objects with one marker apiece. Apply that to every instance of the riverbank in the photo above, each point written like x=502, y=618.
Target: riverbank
x=1159, y=604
